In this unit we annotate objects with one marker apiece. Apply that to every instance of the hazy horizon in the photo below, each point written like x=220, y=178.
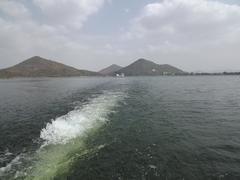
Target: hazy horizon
x=193, y=35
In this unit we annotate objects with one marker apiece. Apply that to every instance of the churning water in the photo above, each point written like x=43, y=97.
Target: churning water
x=142, y=128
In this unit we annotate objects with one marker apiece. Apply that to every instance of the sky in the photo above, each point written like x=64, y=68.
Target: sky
x=194, y=35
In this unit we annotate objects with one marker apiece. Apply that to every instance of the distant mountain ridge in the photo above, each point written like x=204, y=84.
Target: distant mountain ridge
x=110, y=69
x=40, y=67
x=143, y=67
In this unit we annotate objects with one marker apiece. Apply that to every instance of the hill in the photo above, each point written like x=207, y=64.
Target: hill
x=143, y=67
x=110, y=69
x=40, y=67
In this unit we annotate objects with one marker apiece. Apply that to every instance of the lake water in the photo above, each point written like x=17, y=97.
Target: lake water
x=139, y=128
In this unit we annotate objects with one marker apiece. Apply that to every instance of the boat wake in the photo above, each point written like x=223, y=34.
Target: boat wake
x=62, y=137
x=80, y=120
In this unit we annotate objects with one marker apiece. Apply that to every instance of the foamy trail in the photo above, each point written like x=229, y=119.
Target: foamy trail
x=8, y=167
x=79, y=121
x=63, y=136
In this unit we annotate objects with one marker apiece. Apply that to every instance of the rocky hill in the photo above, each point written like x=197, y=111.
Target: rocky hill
x=143, y=67
x=40, y=67
x=110, y=69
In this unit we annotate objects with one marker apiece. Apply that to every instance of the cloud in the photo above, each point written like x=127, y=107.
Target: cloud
x=187, y=23
x=14, y=9
x=191, y=34
x=70, y=13
x=126, y=10
x=56, y=35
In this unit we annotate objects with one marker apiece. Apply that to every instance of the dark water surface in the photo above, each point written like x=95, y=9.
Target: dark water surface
x=142, y=128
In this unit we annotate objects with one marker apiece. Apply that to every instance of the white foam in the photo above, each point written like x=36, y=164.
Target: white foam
x=77, y=122
x=8, y=167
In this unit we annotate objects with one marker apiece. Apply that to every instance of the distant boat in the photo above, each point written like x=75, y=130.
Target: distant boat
x=122, y=75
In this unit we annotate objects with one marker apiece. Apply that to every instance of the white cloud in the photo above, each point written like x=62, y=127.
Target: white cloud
x=14, y=9
x=20, y=41
x=187, y=22
x=70, y=13
x=186, y=33
x=191, y=34
x=126, y=10
x=22, y=36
